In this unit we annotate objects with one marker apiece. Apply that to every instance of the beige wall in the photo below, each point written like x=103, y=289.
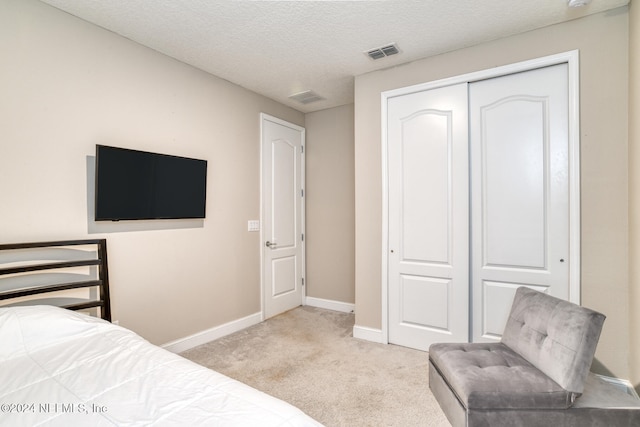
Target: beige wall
x=634, y=188
x=330, y=205
x=67, y=85
x=603, y=43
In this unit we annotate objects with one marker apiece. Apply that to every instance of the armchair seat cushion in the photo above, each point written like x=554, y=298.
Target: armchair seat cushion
x=492, y=376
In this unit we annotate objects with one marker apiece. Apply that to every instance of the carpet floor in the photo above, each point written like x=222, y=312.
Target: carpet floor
x=308, y=357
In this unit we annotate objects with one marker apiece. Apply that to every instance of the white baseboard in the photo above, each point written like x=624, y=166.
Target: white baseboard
x=199, y=338
x=344, y=307
x=368, y=334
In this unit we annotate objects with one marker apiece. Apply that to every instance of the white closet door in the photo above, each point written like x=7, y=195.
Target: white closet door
x=428, y=217
x=520, y=191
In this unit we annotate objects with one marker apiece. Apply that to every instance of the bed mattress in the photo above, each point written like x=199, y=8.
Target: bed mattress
x=64, y=368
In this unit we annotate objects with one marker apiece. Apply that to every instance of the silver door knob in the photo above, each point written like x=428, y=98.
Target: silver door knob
x=271, y=245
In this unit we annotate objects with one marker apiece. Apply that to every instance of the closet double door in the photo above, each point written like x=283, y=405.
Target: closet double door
x=478, y=204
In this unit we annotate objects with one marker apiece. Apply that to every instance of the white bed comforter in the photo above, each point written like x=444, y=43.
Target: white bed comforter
x=59, y=367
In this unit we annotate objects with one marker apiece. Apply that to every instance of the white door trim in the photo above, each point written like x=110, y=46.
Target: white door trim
x=571, y=58
x=266, y=117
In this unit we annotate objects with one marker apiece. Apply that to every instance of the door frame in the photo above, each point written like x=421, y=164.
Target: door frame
x=264, y=117
x=572, y=59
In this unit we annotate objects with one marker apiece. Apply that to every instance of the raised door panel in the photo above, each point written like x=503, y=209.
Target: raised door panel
x=283, y=191
x=426, y=188
x=514, y=182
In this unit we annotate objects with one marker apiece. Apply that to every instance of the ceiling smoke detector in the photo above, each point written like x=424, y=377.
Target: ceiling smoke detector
x=578, y=3
x=306, y=97
x=383, y=52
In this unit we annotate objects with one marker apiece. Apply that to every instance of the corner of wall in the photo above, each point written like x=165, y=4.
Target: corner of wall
x=634, y=193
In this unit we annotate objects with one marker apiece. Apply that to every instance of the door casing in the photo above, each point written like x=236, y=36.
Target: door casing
x=570, y=58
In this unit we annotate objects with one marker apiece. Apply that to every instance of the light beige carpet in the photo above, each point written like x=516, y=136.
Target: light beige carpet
x=309, y=358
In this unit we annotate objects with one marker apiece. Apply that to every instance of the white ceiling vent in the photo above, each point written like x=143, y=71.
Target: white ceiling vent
x=306, y=97
x=383, y=52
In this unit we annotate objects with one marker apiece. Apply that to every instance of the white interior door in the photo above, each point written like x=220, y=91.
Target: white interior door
x=428, y=267
x=520, y=191
x=282, y=215
x=482, y=198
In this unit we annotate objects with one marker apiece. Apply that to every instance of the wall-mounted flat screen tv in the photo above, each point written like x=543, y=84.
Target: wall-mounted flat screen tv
x=132, y=184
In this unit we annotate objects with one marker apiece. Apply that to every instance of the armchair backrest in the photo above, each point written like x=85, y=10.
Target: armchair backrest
x=556, y=336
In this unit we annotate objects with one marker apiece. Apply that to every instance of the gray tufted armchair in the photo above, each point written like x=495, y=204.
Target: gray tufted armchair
x=536, y=375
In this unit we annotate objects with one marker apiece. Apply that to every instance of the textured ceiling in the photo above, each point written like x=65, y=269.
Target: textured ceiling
x=278, y=48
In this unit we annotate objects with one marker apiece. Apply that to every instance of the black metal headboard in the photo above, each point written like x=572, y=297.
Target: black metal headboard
x=24, y=268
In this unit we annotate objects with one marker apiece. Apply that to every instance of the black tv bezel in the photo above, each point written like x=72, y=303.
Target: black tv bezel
x=145, y=218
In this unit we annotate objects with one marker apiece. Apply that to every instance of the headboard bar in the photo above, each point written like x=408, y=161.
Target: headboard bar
x=102, y=281
x=49, y=266
x=48, y=288
x=52, y=244
x=103, y=275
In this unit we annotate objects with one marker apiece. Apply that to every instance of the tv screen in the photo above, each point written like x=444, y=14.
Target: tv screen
x=133, y=184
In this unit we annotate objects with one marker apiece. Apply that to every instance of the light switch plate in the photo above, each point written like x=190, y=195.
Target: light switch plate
x=253, y=225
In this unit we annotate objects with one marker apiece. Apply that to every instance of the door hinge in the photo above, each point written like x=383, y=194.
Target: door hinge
x=302, y=192
x=302, y=149
x=302, y=237
x=303, y=281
